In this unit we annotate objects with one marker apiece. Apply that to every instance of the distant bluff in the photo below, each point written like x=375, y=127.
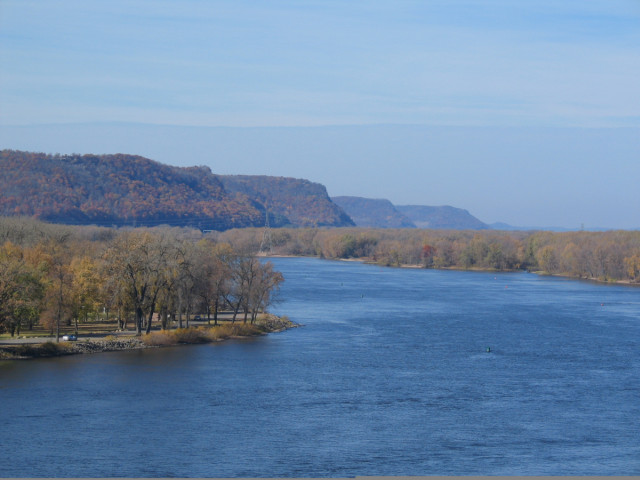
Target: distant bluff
x=373, y=213
x=441, y=217
x=131, y=190
x=381, y=213
x=290, y=200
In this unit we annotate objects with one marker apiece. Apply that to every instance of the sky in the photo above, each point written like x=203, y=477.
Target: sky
x=525, y=112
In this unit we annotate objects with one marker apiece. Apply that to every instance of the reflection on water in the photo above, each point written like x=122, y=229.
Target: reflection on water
x=389, y=376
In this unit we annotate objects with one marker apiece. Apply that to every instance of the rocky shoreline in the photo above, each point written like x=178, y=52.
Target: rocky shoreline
x=269, y=324
x=98, y=346
x=52, y=349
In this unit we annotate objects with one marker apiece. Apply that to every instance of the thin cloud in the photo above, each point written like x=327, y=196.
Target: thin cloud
x=439, y=62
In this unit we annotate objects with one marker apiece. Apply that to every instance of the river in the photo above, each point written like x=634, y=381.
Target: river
x=390, y=375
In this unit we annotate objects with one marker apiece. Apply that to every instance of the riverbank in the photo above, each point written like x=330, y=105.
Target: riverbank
x=610, y=257
x=607, y=281
x=161, y=338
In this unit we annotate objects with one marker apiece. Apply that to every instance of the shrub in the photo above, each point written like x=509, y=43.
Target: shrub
x=190, y=335
x=227, y=330
x=201, y=334
x=245, y=329
x=220, y=332
x=158, y=339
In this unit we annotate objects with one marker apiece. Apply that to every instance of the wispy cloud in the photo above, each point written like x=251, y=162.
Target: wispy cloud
x=221, y=62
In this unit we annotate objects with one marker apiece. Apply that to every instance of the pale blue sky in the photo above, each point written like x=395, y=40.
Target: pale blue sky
x=508, y=68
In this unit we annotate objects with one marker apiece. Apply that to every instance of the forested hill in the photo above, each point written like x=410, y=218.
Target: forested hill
x=381, y=213
x=376, y=213
x=132, y=190
x=444, y=217
x=301, y=202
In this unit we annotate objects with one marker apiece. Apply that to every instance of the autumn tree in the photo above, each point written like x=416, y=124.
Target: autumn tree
x=57, y=253
x=21, y=289
x=265, y=286
x=86, y=288
x=632, y=264
x=546, y=258
x=214, y=275
x=186, y=276
x=428, y=252
x=244, y=270
x=140, y=259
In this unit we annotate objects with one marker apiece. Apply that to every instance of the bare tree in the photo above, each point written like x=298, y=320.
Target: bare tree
x=265, y=286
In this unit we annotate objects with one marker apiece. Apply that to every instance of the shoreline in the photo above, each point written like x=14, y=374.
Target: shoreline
x=368, y=261
x=156, y=339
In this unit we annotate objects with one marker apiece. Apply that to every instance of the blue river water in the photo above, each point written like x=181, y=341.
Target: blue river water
x=390, y=375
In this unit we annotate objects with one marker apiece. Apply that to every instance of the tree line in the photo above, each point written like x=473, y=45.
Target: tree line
x=57, y=276
x=604, y=256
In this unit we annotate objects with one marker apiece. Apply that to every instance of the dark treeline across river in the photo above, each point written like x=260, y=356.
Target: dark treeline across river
x=389, y=376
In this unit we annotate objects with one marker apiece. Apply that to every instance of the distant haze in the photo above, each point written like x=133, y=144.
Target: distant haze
x=565, y=177
x=525, y=112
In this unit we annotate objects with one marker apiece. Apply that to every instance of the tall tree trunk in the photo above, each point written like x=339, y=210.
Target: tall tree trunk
x=139, y=320
x=163, y=318
x=235, y=312
x=58, y=314
x=149, y=319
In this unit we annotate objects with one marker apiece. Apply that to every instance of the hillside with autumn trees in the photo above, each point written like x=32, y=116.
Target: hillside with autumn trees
x=129, y=190
x=312, y=206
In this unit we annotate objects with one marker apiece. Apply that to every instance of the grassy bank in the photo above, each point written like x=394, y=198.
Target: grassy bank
x=206, y=334
x=162, y=338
